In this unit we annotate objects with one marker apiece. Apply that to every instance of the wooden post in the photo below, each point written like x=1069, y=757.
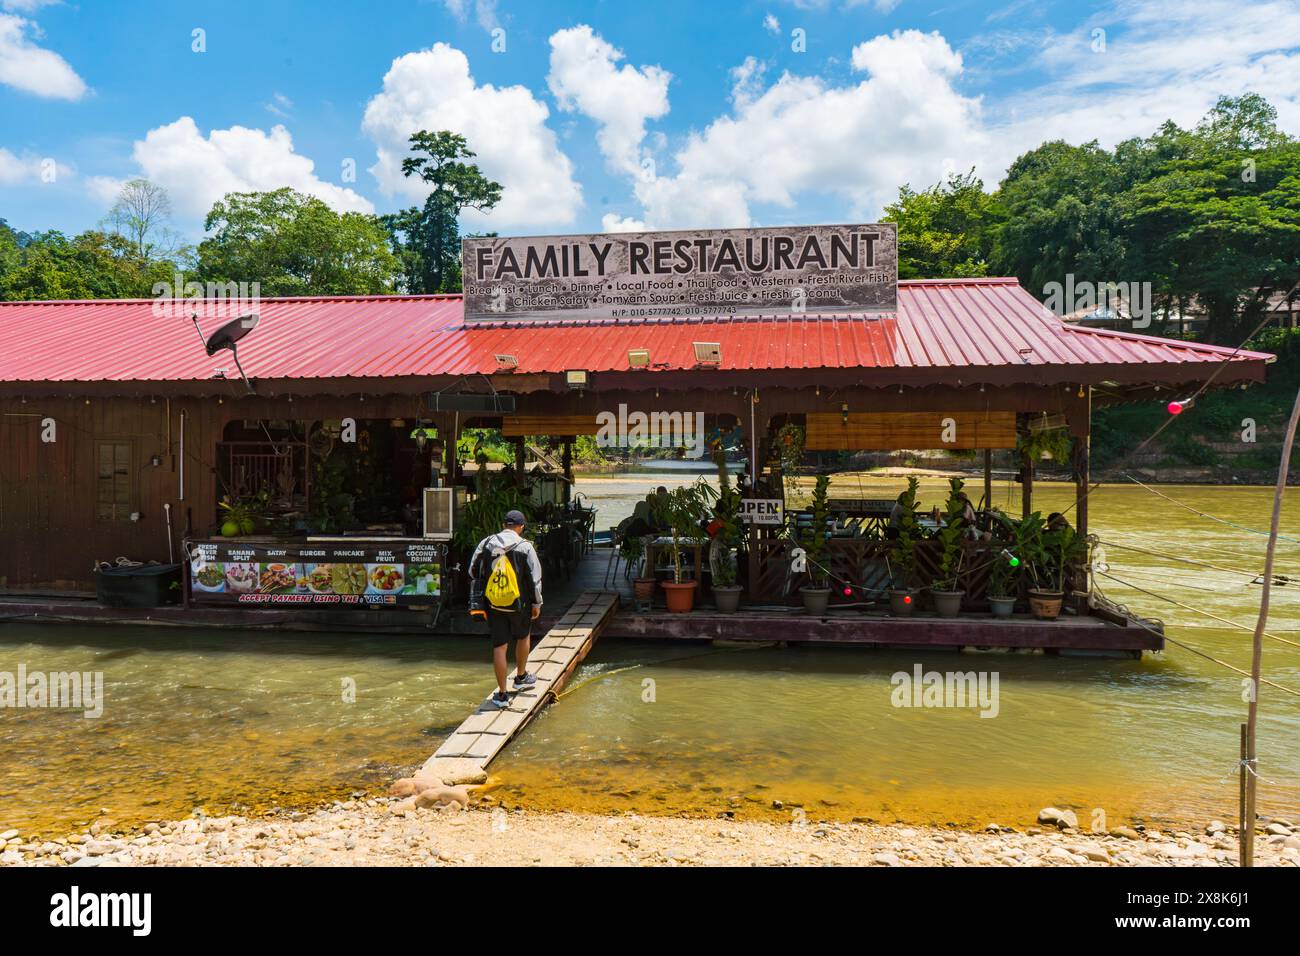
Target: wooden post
x=520, y=458
x=1082, y=467
x=1251, y=763
x=1027, y=488
x=1241, y=801
x=988, y=477
x=566, y=457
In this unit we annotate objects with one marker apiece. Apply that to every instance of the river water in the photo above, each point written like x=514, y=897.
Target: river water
x=233, y=720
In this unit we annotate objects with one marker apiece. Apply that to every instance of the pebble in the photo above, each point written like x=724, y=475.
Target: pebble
x=1060, y=818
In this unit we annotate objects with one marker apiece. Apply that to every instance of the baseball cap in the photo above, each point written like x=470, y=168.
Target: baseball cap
x=514, y=517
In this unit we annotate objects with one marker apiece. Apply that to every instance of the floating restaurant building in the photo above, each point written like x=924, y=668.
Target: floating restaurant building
x=120, y=435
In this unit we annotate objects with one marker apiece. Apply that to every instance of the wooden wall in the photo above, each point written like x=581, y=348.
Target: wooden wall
x=48, y=523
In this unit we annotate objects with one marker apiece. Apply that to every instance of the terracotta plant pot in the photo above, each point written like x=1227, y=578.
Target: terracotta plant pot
x=902, y=601
x=1002, y=606
x=727, y=597
x=947, y=603
x=643, y=589
x=680, y=598
x=815, y=600
x=1046, y=605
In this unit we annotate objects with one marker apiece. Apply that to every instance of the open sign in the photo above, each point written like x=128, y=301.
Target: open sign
x=765, y=511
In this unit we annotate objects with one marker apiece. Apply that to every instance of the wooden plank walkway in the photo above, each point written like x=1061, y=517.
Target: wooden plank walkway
x=465, y=755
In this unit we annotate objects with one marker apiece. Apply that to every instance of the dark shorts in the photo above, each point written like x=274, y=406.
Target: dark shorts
x=507, y=627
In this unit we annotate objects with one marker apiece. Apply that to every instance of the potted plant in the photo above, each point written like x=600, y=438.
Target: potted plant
x=1008, y=564
x=817, y=592
x=681, y=510
x=1056, y=553
x=947, y=596
x=722, y=552
x=902, y=554
x=238, y=517
x=632, y=551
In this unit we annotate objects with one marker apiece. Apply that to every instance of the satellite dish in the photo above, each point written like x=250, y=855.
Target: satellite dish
x=230, y=333
x=226, y=337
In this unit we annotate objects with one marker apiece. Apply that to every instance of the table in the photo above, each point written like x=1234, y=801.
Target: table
x=655, y=546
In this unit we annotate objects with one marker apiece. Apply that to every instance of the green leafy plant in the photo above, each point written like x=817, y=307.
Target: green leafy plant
x=814, y=539
x=726, y=511
x=494, y=495
x=949, y=537
x=902, y=553
x=632, y=550
x=681, y=511
x=789, y=449
x=1021, y=542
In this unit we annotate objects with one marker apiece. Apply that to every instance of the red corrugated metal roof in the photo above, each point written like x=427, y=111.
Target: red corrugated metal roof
x=972, y=324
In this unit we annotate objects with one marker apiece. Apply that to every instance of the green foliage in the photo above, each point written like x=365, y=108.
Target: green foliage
x=902, y=552
x=93, y=265
x=726, y=510
x=1052, y=555
x=949, y=537
x=814, y=540
x=946, y=230
x=494, y=495
x=427, y=239
x=789, y=449
x=1022, y=541
x=1055, y=443
x=681, y=511
x=293, y=244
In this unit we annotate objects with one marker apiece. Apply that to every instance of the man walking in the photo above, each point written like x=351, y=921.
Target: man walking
x=506, y=588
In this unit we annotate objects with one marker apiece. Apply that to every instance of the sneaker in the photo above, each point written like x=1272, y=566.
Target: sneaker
x=528, y=680
x=499, y=700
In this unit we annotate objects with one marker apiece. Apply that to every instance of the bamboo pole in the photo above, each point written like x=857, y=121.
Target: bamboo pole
x=1251, y=764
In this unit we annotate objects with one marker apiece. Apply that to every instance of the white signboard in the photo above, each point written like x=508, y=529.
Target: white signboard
x=770, y=271
x=763, y=511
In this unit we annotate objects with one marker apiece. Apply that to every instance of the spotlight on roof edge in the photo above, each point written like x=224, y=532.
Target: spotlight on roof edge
x=708, y=353
x=638, y=358
x=576, y=378
x=507, y=361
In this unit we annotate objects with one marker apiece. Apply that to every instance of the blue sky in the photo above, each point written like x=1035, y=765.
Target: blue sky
x=599, y=115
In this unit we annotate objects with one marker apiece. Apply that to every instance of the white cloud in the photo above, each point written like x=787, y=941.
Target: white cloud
x=905, y=121
x=747, y=82
x=585, y=78
x=26, y=6
x=771, y=24
x=612, y=222
x=505, y=126
x=198, y=170
x=33, y=69
x=1192, y=55
x=279, y=105
x=16, y=169
x=485, y=12
x=105, y=189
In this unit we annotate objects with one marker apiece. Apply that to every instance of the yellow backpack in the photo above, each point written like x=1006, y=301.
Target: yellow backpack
x=502, y=589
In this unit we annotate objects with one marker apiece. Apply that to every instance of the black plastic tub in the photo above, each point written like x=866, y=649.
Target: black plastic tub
x=148, y=585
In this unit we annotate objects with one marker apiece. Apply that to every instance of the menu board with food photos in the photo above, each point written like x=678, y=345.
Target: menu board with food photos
x=335, y=573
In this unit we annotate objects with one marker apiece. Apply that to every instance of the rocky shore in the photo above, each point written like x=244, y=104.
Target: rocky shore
x=386, y=832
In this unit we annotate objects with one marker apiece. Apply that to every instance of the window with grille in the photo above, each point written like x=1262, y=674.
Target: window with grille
x=113, y=491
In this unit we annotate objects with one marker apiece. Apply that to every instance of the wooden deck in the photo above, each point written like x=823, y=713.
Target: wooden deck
x=465, y=755
x=1068, y=633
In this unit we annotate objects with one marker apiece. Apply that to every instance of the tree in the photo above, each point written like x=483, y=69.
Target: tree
x=946, y=230
x=293, y=244
x=427, y=239
x=93, y=265
x=142, y=213
x=1061, y=216
x=1217, y=220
